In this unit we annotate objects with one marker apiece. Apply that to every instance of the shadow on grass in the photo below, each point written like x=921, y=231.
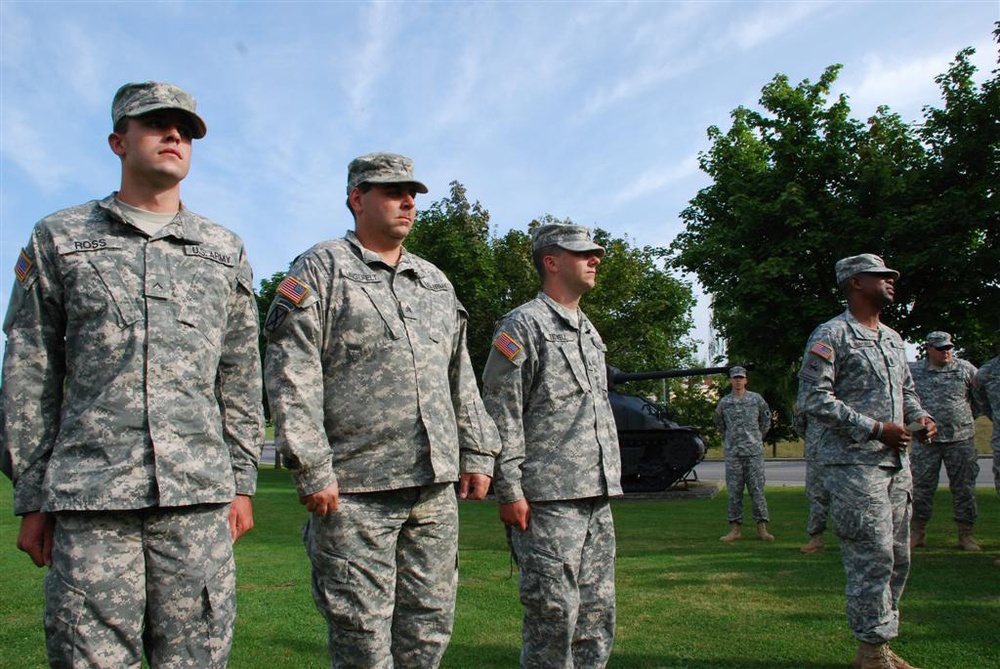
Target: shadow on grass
x=497, y=656
x=629, y=661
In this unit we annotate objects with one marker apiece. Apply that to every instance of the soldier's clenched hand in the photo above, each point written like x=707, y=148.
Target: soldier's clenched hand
x=323, y=502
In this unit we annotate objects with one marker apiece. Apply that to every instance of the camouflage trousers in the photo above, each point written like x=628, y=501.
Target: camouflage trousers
x=746, y=471
x=870, y=511
x=959, y=458
x=818, y=496
x=385, y=575
x=159, y=579
x=566, y=560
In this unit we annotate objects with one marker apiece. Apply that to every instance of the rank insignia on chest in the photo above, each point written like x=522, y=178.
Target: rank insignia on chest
x=23, y=266
x=293, y=289
x=822, y=350
x=506, y=345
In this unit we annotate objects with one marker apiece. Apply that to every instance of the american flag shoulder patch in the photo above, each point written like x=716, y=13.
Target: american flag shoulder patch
x=824, y=351
x=506, y=345
x=23, y=266
x=293, y=289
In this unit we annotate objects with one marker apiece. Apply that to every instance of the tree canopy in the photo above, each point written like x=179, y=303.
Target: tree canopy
x=801, y=184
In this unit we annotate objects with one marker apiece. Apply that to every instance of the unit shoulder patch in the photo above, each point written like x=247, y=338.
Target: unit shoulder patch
x=276, y=316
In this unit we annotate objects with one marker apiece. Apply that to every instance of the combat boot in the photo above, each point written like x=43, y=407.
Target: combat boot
x=897, y=661
x=918, y=533
x=815, y=545
x=965, y=540
x=763, y=533
x=734, y=533
x=873, y=656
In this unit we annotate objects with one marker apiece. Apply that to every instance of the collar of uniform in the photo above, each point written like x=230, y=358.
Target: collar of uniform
x=368, y=256
x=863, y=331
x=947, y=367
x=183, y=227
x=563, y=312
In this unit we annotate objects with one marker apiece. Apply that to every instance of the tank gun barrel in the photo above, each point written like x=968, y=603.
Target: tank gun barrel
x=617, y=376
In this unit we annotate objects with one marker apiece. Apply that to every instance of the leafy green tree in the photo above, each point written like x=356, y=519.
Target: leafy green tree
x=949, y=248
x=642, y=312
x=801, y=184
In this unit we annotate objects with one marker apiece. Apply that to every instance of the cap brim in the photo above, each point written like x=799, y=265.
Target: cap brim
x=418, y=186
x=582, y=247
x=198, y=127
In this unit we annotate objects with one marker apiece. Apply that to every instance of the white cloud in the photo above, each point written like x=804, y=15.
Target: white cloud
x=657, y=178
x=906, y=83
x=769, y=21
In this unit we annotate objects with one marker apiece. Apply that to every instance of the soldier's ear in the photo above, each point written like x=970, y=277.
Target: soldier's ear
x=115, y=141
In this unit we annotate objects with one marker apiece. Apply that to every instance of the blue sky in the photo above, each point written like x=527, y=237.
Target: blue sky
x=595, y=111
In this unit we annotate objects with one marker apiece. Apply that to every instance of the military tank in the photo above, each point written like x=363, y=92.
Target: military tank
x=656, y=452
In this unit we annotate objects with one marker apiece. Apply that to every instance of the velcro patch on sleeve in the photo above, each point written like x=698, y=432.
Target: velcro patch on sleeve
x=293, y=290
x=506, y=345
x=23, y=266
x=824, y=351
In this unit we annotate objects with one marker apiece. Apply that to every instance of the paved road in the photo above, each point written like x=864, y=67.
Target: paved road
x=793, y=472
x=778, y=472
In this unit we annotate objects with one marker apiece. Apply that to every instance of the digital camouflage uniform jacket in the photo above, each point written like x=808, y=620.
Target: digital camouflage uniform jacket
x=851, y=378
x=948, y=393
x=988, y=393
x=545, y=384
x=368, y=374
x=743, y=422
x=131, y=376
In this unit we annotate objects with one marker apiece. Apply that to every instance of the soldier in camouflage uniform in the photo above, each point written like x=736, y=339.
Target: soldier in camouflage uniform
x=946, y=386
x=987, y=390
x=131, y=395
x=545, y=384
x=816, y=492
x=743, y=418
x=855, y=383
x=377, y=414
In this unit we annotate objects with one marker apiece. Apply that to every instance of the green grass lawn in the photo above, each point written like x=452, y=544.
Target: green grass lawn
x=684, y=598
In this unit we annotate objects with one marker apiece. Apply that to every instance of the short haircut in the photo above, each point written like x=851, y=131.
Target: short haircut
x=538, y=258
x=364, y=187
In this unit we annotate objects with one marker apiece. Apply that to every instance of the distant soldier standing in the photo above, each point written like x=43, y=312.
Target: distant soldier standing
x=854, y=381
x=378, y=415
x=545, y=384
x=131, y=394
x=816, y=492
x=744, y=418
x=946, y=387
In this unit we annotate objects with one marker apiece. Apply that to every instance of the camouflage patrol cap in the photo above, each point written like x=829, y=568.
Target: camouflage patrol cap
x=868, y=263
x=381, y=168
x=136, y=99
x=939, y=339
x=565, y=236
x=737, y=371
